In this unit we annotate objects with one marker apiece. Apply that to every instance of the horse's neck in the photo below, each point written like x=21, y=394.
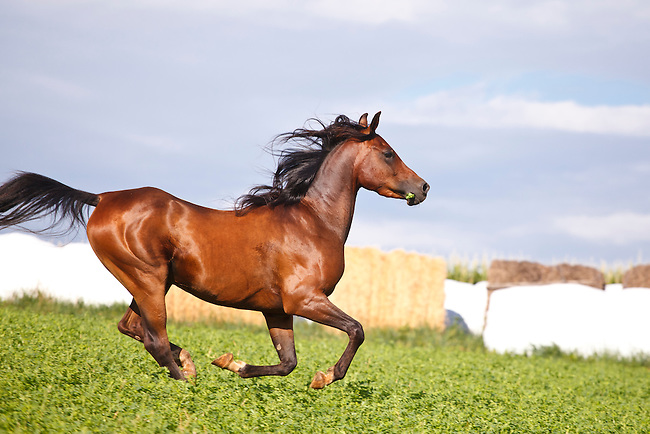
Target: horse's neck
x=333, y=193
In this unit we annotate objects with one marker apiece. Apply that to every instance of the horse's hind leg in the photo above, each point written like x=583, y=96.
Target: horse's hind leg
x=281, y=331
x=154, y=327
x=148, y=287
x=131, y=325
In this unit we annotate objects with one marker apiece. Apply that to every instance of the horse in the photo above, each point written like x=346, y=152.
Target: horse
x=279, y=250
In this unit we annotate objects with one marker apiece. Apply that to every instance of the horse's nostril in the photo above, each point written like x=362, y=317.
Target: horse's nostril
x=425, y=187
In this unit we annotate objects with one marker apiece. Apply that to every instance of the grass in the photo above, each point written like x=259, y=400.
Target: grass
x=614, y=272
x=467, y=270
x=67, y=369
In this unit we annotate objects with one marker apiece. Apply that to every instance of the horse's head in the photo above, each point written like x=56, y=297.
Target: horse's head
x=381, y=170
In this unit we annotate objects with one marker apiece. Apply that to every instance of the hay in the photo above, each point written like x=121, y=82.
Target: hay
x=637, y=277
x=504, y=274
x=394, y=289
x=379, y=289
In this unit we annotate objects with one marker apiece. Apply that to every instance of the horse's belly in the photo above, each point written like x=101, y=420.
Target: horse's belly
x=242, y=298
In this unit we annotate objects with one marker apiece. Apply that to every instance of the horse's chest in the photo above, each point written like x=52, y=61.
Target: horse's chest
x=315, y=272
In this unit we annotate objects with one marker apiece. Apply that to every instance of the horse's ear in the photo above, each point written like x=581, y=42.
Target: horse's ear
x=363, y=120
x=375, y=122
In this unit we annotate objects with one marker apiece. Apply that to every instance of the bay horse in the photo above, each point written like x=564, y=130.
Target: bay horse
x=279, y=251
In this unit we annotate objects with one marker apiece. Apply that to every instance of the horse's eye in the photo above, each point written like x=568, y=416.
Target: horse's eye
x=389, y=154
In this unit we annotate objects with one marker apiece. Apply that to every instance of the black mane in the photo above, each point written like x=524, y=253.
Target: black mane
x=298, y=165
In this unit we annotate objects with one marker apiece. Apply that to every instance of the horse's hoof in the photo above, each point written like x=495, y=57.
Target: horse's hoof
x=189, y=370
x=223, y=361
x=322, y=379
x=227, y=362
x=319, y=381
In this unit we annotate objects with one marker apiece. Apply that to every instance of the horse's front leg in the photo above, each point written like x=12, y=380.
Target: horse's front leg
x=320, y=309
x=281, y=331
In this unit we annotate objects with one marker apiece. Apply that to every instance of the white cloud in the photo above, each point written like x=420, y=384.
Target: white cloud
x=617, y=228
x=470, y=107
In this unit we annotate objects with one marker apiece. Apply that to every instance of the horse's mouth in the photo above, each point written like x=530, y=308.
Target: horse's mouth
x=416, y=196
x=413, y=199
x=410, y=197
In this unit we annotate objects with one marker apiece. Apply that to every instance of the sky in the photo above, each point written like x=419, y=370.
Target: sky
x=530, y=120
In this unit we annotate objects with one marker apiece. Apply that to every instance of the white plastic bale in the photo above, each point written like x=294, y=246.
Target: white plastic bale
x=469, y=301
x=71, y=272
x=576, y=318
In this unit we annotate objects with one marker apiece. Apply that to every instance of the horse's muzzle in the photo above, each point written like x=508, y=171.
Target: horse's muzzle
x=417, y=196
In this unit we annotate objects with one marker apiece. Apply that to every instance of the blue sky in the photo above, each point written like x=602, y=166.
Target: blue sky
x=530, y=120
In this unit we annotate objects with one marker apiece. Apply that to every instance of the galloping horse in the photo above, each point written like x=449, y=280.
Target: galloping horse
x=279, y=251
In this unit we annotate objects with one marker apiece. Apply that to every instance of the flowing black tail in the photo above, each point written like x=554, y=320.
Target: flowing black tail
x=29, y=196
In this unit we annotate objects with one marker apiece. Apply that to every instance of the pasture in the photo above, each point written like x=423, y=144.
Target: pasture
x=68, y=369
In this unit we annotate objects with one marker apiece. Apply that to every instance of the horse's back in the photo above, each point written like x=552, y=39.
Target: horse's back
x=151, y=197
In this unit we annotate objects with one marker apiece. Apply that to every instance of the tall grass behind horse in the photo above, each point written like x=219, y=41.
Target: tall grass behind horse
x=279, y=252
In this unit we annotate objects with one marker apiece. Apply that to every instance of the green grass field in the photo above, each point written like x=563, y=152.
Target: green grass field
x=68, y=369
